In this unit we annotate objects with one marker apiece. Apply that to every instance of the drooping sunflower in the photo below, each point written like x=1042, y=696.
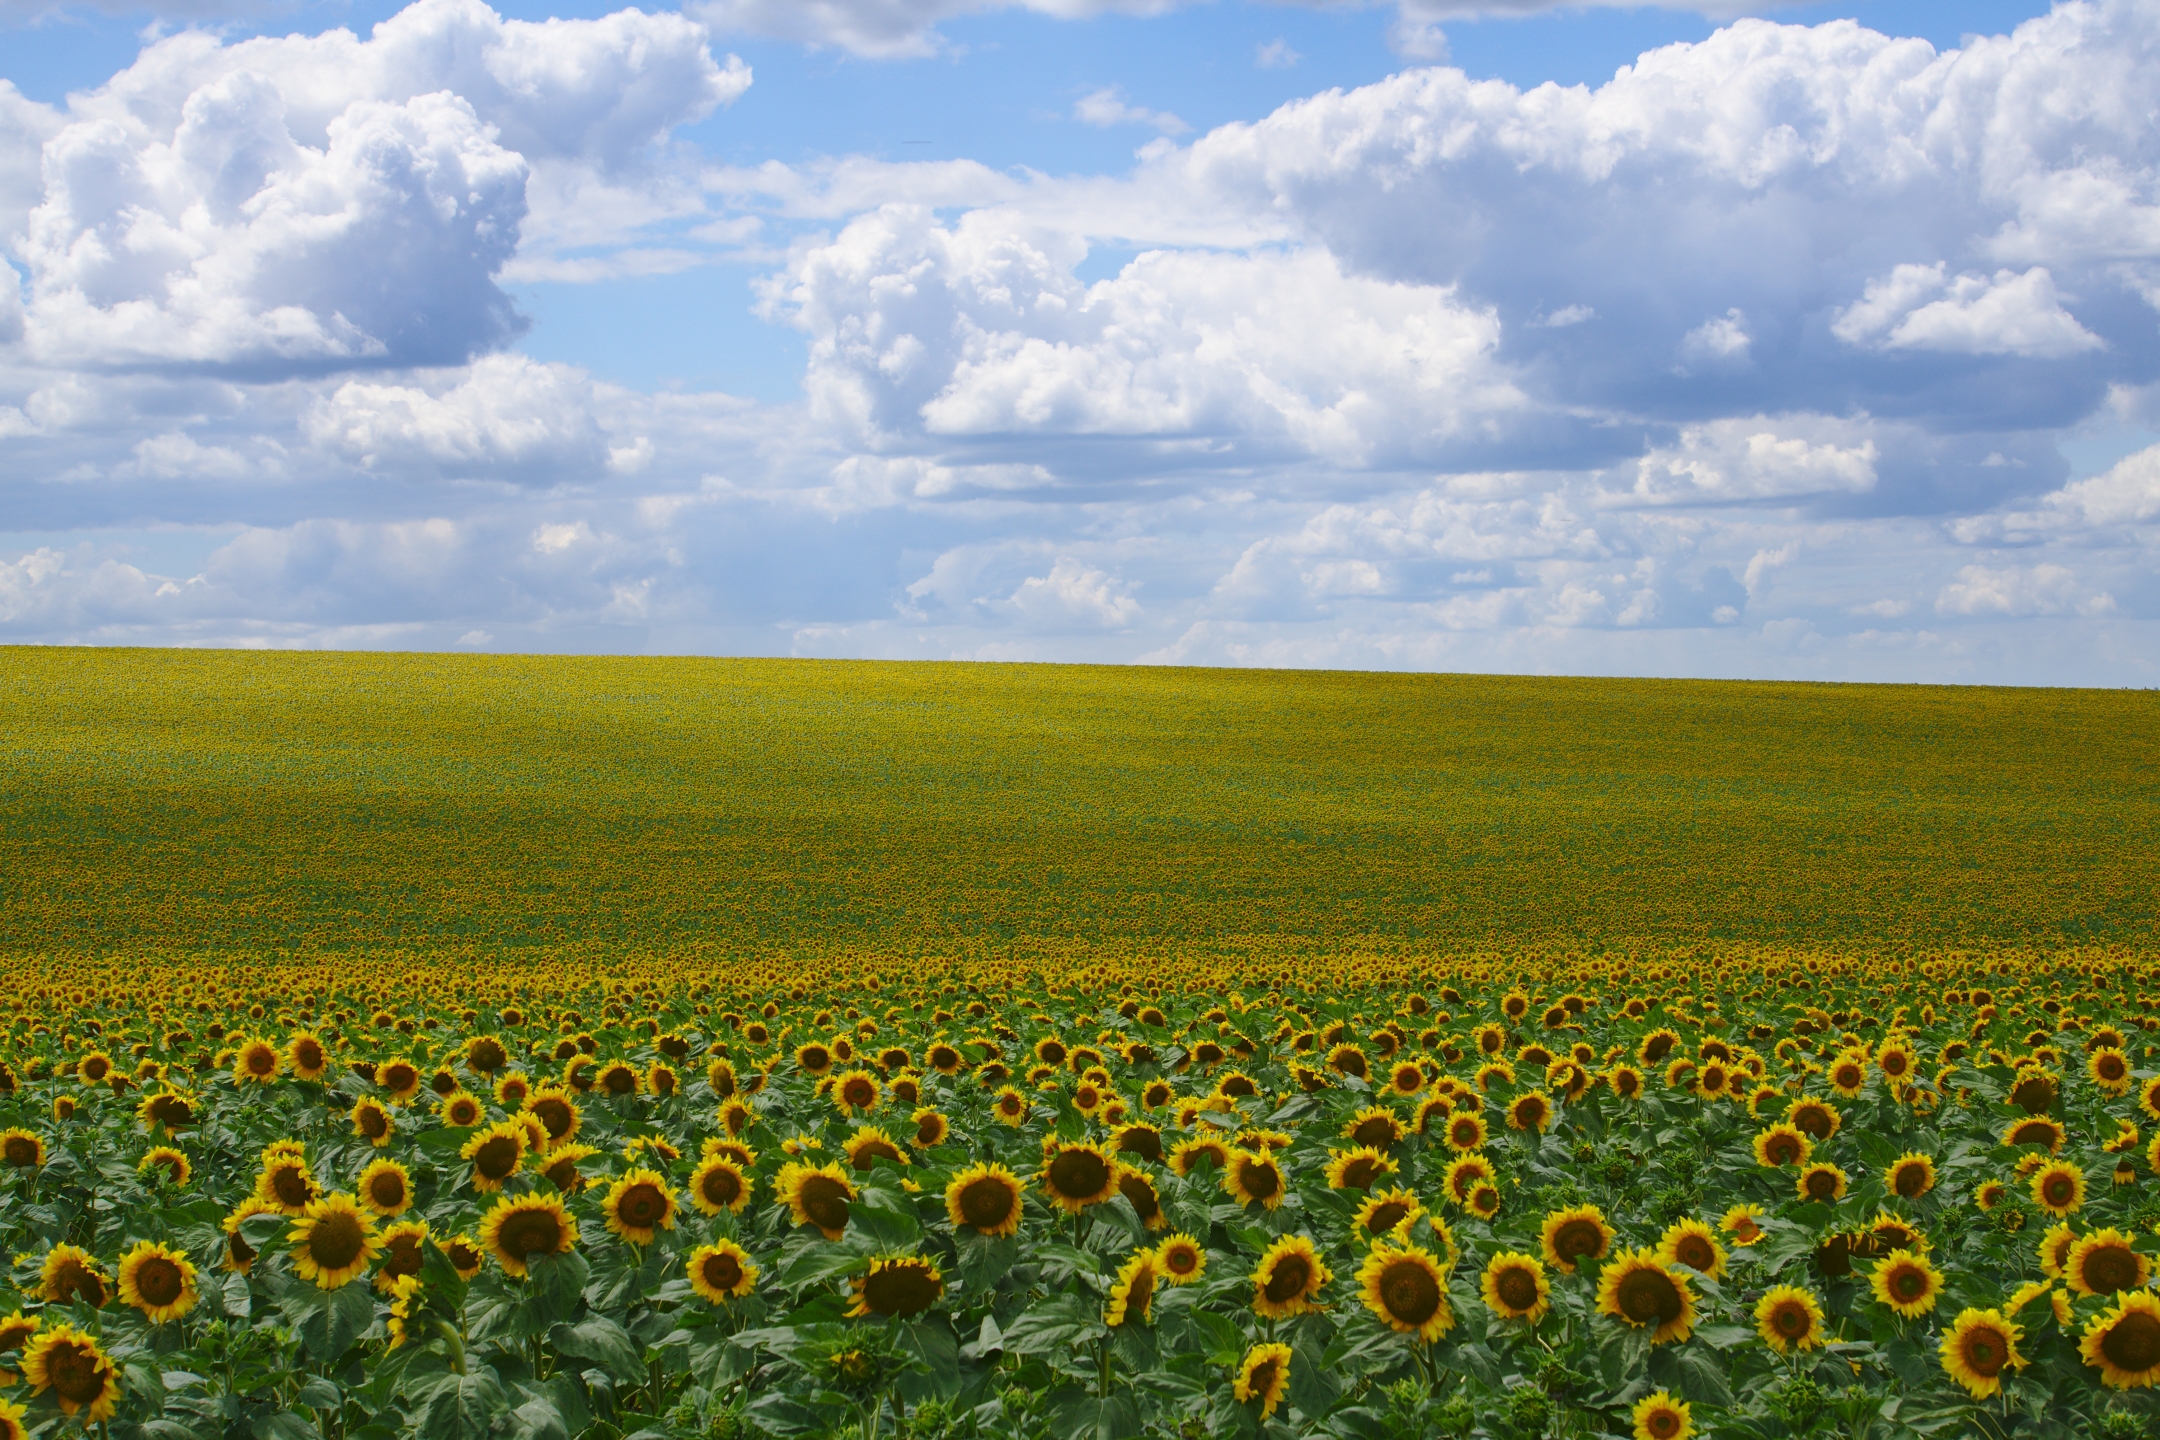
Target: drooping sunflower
x=81, y=1375
x=1384, y=1210
x=2058, y=1187
x=1289, y=1275
x=1639, y=1289
x=1140, y=1193
x=1789, y=1318
x=466, y=1257
x=1978, y=1347
x=69, y=1275
x=1132, y=1294
x=1691, y=1243
x=2103, y=1263
x=1254, y=1177
x=1821, y=1181
x=721, y=1272
x=404, y=1253
x=639, y=1204
x=897, y=1285
x=1782, y=1145
x=2123, y=1342
x=1658, y=1416
x=157, y=1280
x=1183, y=1260
x=816, y=1195
x=1406, y=1286
x=385, y=1188
x=168, y=1164
x=1515, y=1287
x=1263, y=1376
x=239, y=1255
x=1574, y=1235
x=333, y=1241
x=985, y=1198
x=1076, y=1175
x=520, y=1229
x=1357, y=1168
x=1906, y=1283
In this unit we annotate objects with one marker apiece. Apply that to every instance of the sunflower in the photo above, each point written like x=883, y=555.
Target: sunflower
x=496, y=1153
x=70, y=1276
x=1693, y=1244
x=1076, y=1175
x=258, y=1061
x=618, y=1080
x=385, y=1188
x=816, y=1195
x=986, y=1198
x=1743, y=1223
x=399, y=1079
x=1289, y=1274
x=22, y=1149
x=1906, y=1283
x=239, y=1255
x=719, y=1184
x=513, y=1089
x=855, y=1090
x=1011, y=1106
x=2123, y=1343
x=1253, y=1175
x=167, y=1162
x=737, y=1116
x=2104, y=1263
x=1782, y=1145
x=1376, y=1126
x=519, y=1229
x=2058, y=1187
x=1515, y=1287
x=166, y=1110
x=1187, y=1154
x=15, y=1332
x=1818, y=1119
x=556, y=1108
x=12, y=1417
x=898, y=1285
x=1357, y=1169
x=157, y=1280
x=333, y=1241
x=1384, y=1210
x=461, y=1110
x=1977, y=1347
x=1484, y=1201
x=286, y=1184
x=931, y=1128
x=1658, y=1416
x=306, y=1055
x=1639, y=1289
x=1132, y=1294
x=1531, y=1111
x=1406, y=1078
x=1626, y=1082
x=1183, y=1261
x=1407, y=1288
x=1789, y=1318
x=638, y=1204
x=560, y=1167
x=1466, y=1133
x=1821, y=1182
x=721, y=1272
x=404, y=1252
x=1911, y=1175
x=81, y=1376
x=465, y=1256
x=371, y=1121
x=2110, y=1070
x=1263, y=1376
x=2036, y=1130
x=1575, y=1235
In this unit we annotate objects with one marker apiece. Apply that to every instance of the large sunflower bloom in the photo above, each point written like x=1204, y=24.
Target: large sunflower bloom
x=722, y=1271
x=1407, y=1288
x=81, y=1376
x=986, y=1198
x=495, y=1152
x=1076, y=1175
x=2103, y=1263
x=1639, y=1289
x=157, y=1280
x=1515, y=1287
x=1574, y=1235
x=333, y=1241
x=1976, y=1349
x=1659, y=1416
x=1906, y=1283
x=639, y=1204
x=1263, y=1376
x=2123, y=1343
x=1287, y=1278
x=70, y=1274
x=518, y=1230
x=816, y=1195
x=898, y=1285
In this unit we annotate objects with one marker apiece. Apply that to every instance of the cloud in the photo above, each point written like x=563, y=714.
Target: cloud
x=505, y=417
x=1276, y=54
x=2008, y=314
x=1757, y=459
x=1073, y=594
x=1105, y=109
x=2020, y=590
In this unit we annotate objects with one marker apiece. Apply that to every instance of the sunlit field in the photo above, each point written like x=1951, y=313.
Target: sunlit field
x=539, y=1048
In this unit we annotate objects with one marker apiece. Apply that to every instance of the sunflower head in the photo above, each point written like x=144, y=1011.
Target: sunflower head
x=1076, y=1175
x=70, y=1276
x=1907, y=1283
x=82, y=1377
x=386, y=1188
x=639, y=1204
x=1693, y=1244
x=1289, y=1275
x=2123, y=1342
x=1384, y=1210
x=1659, y=1416
x=1782, y=1145
x=816, y=1195
x=2104, y=1263
x=333, y=1241
x=1911, y=1176
x=2058, y=1187
x=1573, y=1235
x=897, y=1285
x=1132, y=1294
x=1183, y=1260
x=1515, y=1287
x=868, y=1145
x=1253, y=1177
x=1978, y=1347
x=722, y=1272
x=1358, y=1168
x=157, y=1280
x=1406, y=1286
x=1640, y=1290
x=519, y=1230
x=1821, y=1182
x=496, y=1152
x=1263, y=1377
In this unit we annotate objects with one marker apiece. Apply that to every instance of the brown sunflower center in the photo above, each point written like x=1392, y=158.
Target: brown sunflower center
x=870, y=1151
x=387, y=1189
x=2059, y=1189
x=1516, y=1287
x=722, y=1271
x=336, y=1240
x=930, y=1130
x=1695, y=1252
x=1782, y=1150
x=642, y=1205
x=292, y=1187
x=1258, y=1179
x=1261, y=1381
x=1792, y=1321
x=2133, y=1342
x=308, y=1055
x=399, y=1077
x=1909, y=1283
x=825, y=1201
x=1181, y=1260
x=1662, y=1423
x=1378, y=1131
x=1822, y=1185
x=721, y=1186
x=75, y=1373
x=1288, y=1279
x=1137, y=1190
x=908, y=1288
x=2111, y=1067
x=1578, y=1238
x=497, y=1157
x=1984, y=1351
x=1910, y=1181
x=619, y=1080
x=1814, y=1120
x=1359, y=1173
x=21, y=1151
x=1386, y=1216
x=986, y=1202
x=859, y=1093
x=554, y=1113
x=261, y=1060
x=1079, y=1174
x=159, y=1281
x=2109, y=1268
x=1141, y=1293
x=530, y=1232
x=373, y=1123
x=405, y=1257
x=2033, y=1095
x=1649, y=1297
x=486, y=1055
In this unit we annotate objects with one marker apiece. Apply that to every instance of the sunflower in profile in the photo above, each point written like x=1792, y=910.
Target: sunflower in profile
x=166, y=1163
x=1658, y=1416
x=1783, y=1145
x=466, y=1257
x=1743, y=1223
x=81, y=1376
x=70, y=1276
x=1384, y=1210
x=157, y=1280
x=721, y=1272
x=521, y=1229
x=2058, y=1187
x=816, y=1195
x=1515, y=1287
x=1375, y=1126
x=1253, y=1177
x=897, y=1285
x=1358, y=1168
x=1639, y=1289
x=2123, y=1342
x=1789, y=1318
x=1573, y=1235
x=1904, y=1281
x=737, y=1116
x=496, y=1153
x=1132, y=1294
x=239, y=1255
x=333, y=1241
x=1289, y=1275
x=404, y=1252
x=2103, y=1263
x=1821, y=1182
x=1406, y=1286
x=385, y=1188
x=1263, y=1377
x=2053, y=1248
x=1978, y=1347
x=1693, y=1244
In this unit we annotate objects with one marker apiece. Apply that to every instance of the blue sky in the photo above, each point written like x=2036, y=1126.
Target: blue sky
x=1076, y=329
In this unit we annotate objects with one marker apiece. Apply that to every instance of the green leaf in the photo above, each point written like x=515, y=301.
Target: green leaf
x=1701, y=1379
x=449, y=1406
x=1055, y=1323
x=984, y=1260
x=318, y=1394
x=600, y=1339
x=1725, y=1337
x=328, y=1321
x=556, y=1281
x=284, y=1425
x=1093, y=1417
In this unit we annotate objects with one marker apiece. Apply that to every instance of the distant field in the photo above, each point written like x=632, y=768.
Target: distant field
x=222, y=801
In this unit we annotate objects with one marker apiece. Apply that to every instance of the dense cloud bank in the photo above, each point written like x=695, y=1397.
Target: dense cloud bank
x=1752, y=360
